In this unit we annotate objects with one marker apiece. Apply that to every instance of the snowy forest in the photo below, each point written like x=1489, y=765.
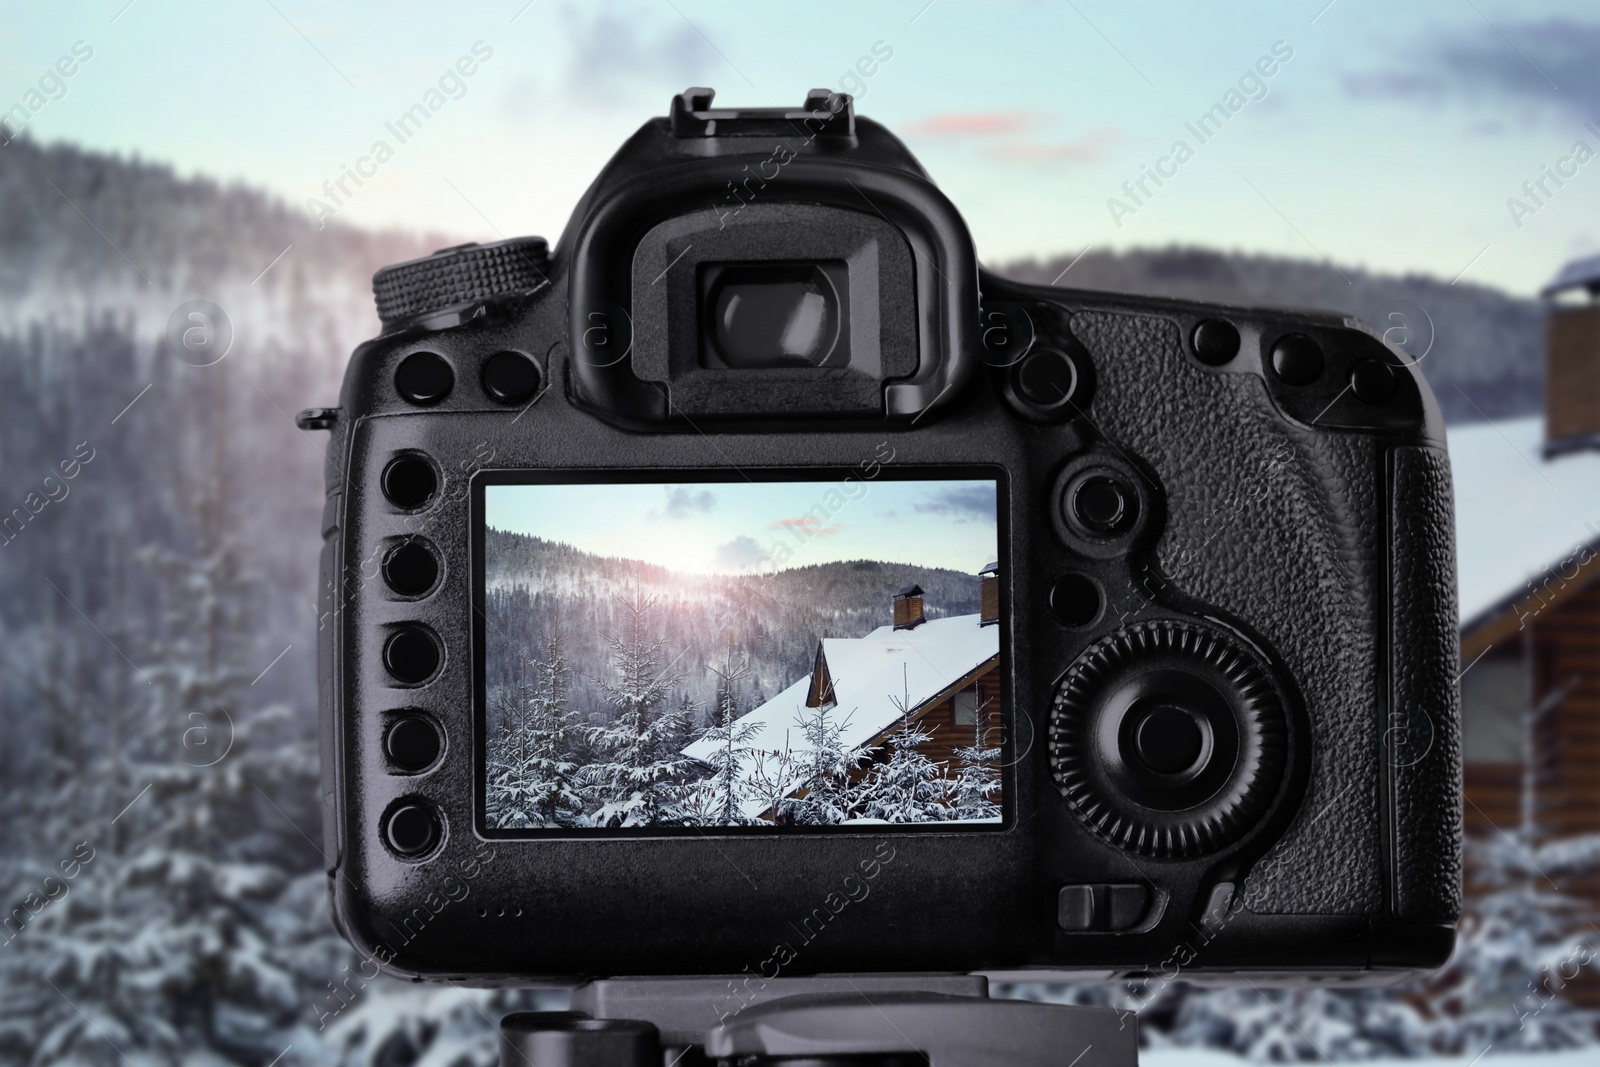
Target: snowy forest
x=165, y=900
x=601, y=671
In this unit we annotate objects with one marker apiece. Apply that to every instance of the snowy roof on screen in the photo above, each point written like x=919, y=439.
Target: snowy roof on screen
x=1518, y=515
x=869, y=675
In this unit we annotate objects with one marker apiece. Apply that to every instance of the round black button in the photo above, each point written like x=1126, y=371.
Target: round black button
x=410, y=568
x=1168, y=741
x=1047, y=377
x=424, y=378
x=1296, y=359
x=1372, y=381
x=1074, y=600
x=412, y=829
x=411, y=656
x=510, y=377
x=412, y=744
x=1102, y=504
x=1215, y=342
x=409, y=482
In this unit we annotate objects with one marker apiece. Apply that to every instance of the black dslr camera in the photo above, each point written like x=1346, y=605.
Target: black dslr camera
x=754, y=586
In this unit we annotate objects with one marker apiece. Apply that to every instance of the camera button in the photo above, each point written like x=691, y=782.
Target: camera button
x=412, y=829
x=1102, y=504
x=1075, y=600
x=1215, y=342
x=1047, y=378
x=1296, y=359
x=1372, y=381
x=411, y=655
x=1109, y=908
x=412, y=744
x=409, y=482
x=1075, y=907
x=410, y=568
x=424, y=378
x=1126, y=905
x=510, y=378
x=1168, y=740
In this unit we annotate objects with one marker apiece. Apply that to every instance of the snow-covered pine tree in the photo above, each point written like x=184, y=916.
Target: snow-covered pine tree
x=908, y=787
x=718, y=799
x=822, y=793
x=975, y=793
x=533, y=778
x=636, y=777
x=174, y=942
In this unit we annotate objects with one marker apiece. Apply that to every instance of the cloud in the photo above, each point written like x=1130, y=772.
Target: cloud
x=609, y=49
x=973, y=124
x=683, y=501
x=967, y=503
x=1087, y=149
x=740, y=553
x=1539, y=66
x=808, y=525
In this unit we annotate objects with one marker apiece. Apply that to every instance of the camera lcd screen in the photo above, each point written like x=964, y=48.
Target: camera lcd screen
x=807, y=654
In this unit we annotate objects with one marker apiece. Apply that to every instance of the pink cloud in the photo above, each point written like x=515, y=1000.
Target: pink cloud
x=1087, y=149
x=973, y=124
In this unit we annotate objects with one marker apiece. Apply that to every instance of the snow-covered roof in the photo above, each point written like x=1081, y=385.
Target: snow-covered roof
x=1584, y=272
x=1518, y=515
x=869, y=674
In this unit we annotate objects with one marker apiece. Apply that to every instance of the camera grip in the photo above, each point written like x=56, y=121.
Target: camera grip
x=1422, y=743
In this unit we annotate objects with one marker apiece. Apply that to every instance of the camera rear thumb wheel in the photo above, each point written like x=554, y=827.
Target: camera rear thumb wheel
x=1169, y=739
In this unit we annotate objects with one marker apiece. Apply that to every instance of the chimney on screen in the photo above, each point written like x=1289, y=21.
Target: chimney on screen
x=908, y=608
x=989, y=595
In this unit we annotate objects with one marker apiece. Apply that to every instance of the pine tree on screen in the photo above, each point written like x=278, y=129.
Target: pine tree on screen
x=975, y=792
x=636, y=776
x=718, y=800
x=532, y=773
x=821, y=793
x=908, y=787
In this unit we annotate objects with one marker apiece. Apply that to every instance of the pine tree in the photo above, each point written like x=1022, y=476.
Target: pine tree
x=821, y=792
x=636, y=778
x=533, y=775
x=719, y=799
x=174, y=943
x=975, y=793
x=908, y=787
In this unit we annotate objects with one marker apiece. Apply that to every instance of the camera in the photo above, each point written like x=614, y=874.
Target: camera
x=753, y=585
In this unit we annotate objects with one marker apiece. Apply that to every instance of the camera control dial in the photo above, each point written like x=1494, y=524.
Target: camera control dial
x=1169, y=739
x=457, y=278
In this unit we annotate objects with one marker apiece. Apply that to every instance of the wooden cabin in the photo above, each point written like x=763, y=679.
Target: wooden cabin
x=943, y=674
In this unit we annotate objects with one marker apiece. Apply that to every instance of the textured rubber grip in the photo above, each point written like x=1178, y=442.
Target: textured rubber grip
x=1422, y=739
x=452, y=277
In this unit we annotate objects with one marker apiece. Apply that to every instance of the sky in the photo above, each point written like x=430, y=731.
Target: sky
x=1390, y=137
x=737, y=527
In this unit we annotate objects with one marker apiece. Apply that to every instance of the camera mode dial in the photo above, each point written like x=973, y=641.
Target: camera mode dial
x=1169, y=739
x=456, y=278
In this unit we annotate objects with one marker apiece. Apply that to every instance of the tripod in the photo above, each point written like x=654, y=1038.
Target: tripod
x=825, y=1021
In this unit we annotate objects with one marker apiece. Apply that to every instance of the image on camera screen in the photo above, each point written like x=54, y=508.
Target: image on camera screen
x=750, y=654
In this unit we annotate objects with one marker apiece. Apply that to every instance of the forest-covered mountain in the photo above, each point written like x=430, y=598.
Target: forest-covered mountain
x=772, y=621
